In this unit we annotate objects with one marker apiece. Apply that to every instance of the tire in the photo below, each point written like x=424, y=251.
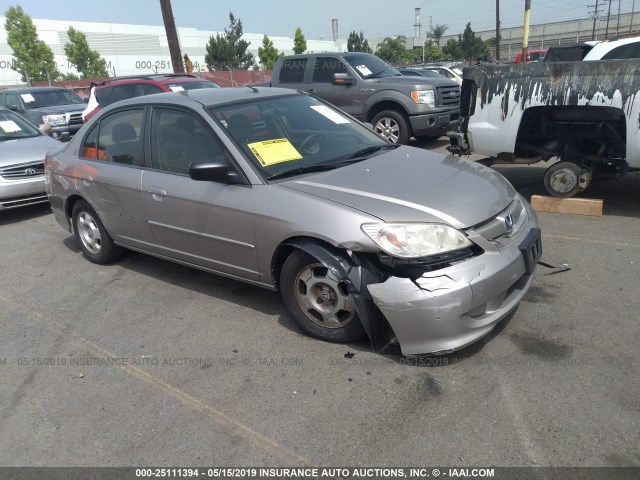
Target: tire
x=94, y=240
x=321, y=306
x=562, y=179
x=392, y=125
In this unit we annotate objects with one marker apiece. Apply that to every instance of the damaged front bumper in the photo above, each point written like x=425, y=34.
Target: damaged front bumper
x=448, y=309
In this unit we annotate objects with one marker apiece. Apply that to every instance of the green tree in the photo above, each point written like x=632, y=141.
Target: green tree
x=394, y=50
x=88, y=62
x=299, y=42
x=229, y=51
x=268, y=54
x=433, y=53
x=31, y=56
x=472, y=47
x=357, y=43
x=438, y=33
x=452, y=48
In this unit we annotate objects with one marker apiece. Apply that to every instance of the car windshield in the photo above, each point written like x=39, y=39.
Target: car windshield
x=49, y=98
x=13, y=126
x=178, y=86
x=370, y=66
x=291, y=134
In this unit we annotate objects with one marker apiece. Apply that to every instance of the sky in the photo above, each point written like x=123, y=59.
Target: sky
x=375, y=18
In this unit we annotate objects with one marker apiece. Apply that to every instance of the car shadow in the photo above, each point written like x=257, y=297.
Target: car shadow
x=23, y=214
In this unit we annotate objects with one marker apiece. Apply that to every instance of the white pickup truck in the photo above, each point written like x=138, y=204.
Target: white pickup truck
x=586, y=114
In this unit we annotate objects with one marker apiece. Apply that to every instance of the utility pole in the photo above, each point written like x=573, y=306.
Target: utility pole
x=595, y=18
x=606, y=31
x=172, y=36
x=633, y=9
x=497, y=29
x=525, y=32
x=618, y=24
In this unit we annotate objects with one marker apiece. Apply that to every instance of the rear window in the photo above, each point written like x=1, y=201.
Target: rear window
x=177, y=86
x=292, y=70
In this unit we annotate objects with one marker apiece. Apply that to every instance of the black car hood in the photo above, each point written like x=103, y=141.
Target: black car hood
x=414, y=185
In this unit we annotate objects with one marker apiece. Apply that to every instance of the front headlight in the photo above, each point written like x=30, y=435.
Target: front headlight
x=415, y=240
x=55, y=120
x=426, y=97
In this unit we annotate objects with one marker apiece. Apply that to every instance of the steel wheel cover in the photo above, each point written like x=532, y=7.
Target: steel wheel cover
x=322, y=299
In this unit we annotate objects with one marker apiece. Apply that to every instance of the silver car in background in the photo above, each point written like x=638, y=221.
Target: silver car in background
x=22, y=151
x=281, y=190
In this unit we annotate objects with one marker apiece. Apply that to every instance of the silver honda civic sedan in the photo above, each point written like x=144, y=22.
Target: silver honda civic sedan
x=278, y=189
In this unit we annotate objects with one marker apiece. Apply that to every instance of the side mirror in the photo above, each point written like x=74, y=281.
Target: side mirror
x=13, y=107
x=342, y=79
x=214, y=171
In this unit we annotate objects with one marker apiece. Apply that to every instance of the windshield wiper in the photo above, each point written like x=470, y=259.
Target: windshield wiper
x=365, y=152
x=308, y=168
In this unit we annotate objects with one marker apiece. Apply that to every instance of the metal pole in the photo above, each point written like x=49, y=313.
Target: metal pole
x=525, y=32
x=172, y=36
x=618, y=23
x=497, y=29
x=595, y=17
x=633, y=8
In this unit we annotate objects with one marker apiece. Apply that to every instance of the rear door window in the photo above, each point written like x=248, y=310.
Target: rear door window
x=122, y=92
x=292, y=70
x=119, y=138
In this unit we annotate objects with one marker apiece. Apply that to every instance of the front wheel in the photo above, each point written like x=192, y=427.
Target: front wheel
x=393, y=126
x=562, y=179
x=319, y=303
x=96, y=244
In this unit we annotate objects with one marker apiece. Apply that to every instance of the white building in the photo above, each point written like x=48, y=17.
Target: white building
x=137, y=49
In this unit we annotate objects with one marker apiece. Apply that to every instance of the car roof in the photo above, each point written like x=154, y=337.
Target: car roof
x=157, y=78
x=33, y=89
x=209, y=96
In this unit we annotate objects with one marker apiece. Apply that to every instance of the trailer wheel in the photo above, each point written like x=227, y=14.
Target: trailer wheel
x=562, y=179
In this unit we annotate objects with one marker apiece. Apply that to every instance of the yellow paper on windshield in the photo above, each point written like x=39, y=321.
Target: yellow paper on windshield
x=270, y=152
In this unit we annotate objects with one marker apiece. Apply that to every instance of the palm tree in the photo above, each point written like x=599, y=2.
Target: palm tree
x=438, y=33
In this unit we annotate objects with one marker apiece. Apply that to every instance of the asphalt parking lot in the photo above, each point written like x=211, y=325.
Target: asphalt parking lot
x=144, y=362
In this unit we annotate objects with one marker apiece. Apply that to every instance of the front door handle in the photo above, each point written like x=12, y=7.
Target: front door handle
x=157, y=192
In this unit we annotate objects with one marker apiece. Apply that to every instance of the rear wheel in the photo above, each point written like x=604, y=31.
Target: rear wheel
x=562, y=179
x=96, y=244
x=392, y=125
x=319, y=303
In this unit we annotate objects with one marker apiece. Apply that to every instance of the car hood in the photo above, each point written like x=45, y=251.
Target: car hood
x=56, y=109
x=25, y=150
x=415, y=80
x=414, y=185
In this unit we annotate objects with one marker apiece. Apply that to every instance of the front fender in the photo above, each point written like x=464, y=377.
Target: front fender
x=357, y=272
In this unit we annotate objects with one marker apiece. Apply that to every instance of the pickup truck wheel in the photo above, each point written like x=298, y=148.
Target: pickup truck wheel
x=392, y=125
x=319, y=303
x=96, y=244
x=562, y=179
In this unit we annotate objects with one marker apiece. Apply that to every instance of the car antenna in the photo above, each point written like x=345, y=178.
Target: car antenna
x=255, y=90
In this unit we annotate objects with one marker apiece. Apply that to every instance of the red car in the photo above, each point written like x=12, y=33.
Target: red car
x=116, y=89
x=534, y=56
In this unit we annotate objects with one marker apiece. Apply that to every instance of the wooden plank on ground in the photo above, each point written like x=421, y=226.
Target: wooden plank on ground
x=576, y=206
